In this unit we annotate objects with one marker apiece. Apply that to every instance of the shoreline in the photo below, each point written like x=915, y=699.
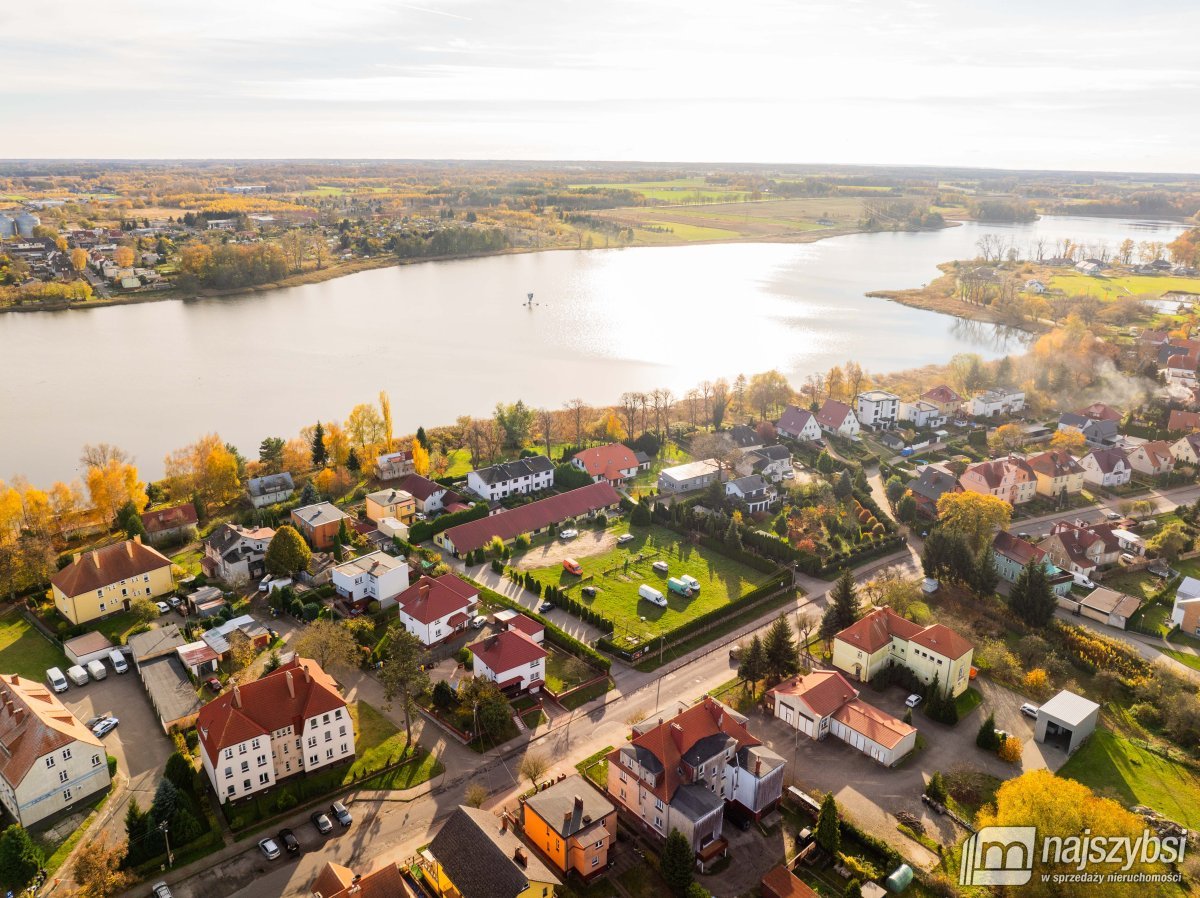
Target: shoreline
x=938, y=296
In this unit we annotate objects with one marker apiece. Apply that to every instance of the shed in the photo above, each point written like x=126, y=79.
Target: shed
x=205, y=601
x=93, y=646
x=1066, y=720
x=781, y=882
x=390, y=527
x=171, y=691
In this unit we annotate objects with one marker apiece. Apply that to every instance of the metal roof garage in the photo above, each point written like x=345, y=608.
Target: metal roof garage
x=1066, y=720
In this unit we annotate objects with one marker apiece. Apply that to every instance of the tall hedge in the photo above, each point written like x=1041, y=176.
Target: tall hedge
x=554, y=635
x=423, y=530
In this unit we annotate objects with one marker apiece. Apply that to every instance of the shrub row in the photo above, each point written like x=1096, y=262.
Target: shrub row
x=423, y=530
x=862, y=553
x=554, y=635
x=562, y=599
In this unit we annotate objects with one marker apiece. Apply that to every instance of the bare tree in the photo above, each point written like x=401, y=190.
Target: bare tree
x=475, y=795
x=545, y=420
x=628, y=410
x=854, y=379
x=533, y=766
x=577, y=409
x=706, y=391
x=692, y=398
x=97, y=455
x=814, y=387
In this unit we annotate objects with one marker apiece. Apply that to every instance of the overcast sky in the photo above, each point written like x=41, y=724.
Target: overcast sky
x=1007, y=83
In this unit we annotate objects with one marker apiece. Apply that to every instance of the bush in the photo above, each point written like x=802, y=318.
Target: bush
x=463, y=656
x=311, y=611
x=423, y=530
x=936, y=788
x=1011, y=750
x=444, y=696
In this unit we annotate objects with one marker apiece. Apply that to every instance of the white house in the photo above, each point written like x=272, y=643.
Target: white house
x=291, y=721
x=1187, y=449
x=695, y=475
x=269, y=490
x=878, y=408
x=525, y=475
x=1185, y=612
x=615, y=463
x=798, y=424
x=1152, y=458
x=773, y=463
x=235, y=554
x=431, y=497
x=511, y=660
x=392, y=465
x=920, y=413
x=752, y=490
x=1000, y=401
x=837, y=417
x=1106, y=467
x=435, y=608
x=376, y=576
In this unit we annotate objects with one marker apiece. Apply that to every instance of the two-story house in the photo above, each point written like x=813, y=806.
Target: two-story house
x=375, y=577
x=992, y=403
x=573, y=825
x=510, y=659
x=1106, y=467
x=176, y=524
x=877, y=408
x=49, y=761
x=615, y=463
x=680, y=774
x=319, y=523
x=883, y=636
x=510, y=478
x=1057, y=472
x=101, y=582
x=685, y=478
x=752, y=490
x=270, y=489
x=292, y=720
x=1185, y=609
x=838, y=418
x=773, y=463
x=1186, y=450
x=394, y=465
x=945, y=399
x=1096, y=432
x=798, y=424
x=431, y=497
x=435, y=608
x=921, y=414
x=1152, y=458
x=823, y=703
x=1081, y=548
x=234, y=554
x=390, y=503
x=1010, y=479
x=1011, y=555
x=478, y=855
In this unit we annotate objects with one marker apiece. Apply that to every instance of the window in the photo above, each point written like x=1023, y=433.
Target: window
x=263, y=779
x=312, y=740
x=95, y=760
x=287, y=766
x=242, y=749
x=624, y=777
x=342, y=730
x=313, y=759
x=246, y=785
x=63, y=776
x=146, y=579
x=658, y=805
x=228, y=753
x=99, y=593
x=599, y=844
x=328, y=736
x=230, y=790
x=102, y=606
x=254, y=743
x=328, y=754
x=262, y=760
x=325, y=719
x=228, y=772
x=49, y=762
x=337, y=715
x=595, y=862
x=345, y=748
x=66, y=794
x=285, y=748
x=245, y=766
x=66, y=754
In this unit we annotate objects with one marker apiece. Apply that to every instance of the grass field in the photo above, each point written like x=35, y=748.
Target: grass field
x=460, y=463
x=1120, y=769
x=189, y=559
x=565, y=671
x=681, y=231
x=25, y=651
x=678, y=190
x=1126, y=285
x=617, y=577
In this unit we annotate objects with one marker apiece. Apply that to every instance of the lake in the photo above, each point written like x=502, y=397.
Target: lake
x=452, y=338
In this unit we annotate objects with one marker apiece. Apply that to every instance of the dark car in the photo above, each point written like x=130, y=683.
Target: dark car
x=589, y=591
x=322, y=822
x=545, y=606
x=290, y=843
x=213, y=684
x=341, y=813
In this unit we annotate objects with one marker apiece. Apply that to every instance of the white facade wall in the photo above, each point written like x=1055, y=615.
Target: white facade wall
x=1118, y=476
x=529, y=672
x=526, y=483
x=434, y=631
x=921, y=414
x=56, y=781
x=871, y=748
x=874, y=410
x=384, y=588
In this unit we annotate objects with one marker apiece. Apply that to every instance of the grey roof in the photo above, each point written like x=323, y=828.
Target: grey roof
x=1069, y=708
x=642, y=457
x=750, y=755
x=744, y=435
x=171, y=692
x=389, y=496
x=775, y=453
x=751, y=484
x=479, y=858
x=643, y=756
x=695, y=802
x=272, y=483
x=932, y=483
x=708, y=747
x=511, y=470
x=554, y=804
x=152, y=643
x=320, y=513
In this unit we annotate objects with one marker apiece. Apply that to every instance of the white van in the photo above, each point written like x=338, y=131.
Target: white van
x=77, y=675
x=650, y=594
x=117, y=657
x=269, y=585
x=660, y=566
x=97, y=669
x=57, y=681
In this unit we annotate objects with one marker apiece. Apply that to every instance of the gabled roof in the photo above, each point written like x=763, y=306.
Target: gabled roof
x=942, y=395
x=33, y=723
x=1158, y=452
x=419, y=487
x=507, y=650
x=98, y=568
x=1055, y=463
x=1109, y=601
x=876, y=725
x=607, y=461
x=227, y=536
x=526, y=625
x=932, y=482
x=833, y=414
x=336, y=881
x=430, y=599
x=824, y=691
x=746, y=485
x=1181, y=420
x=744, y=436
x=512, y=470
x=875, y=630
x=993, y=472
x=1107, y=459
x=483, y=860
x=781, y=882
x=271, y=483
x=1019, y=550
x=1193, y=440
x=793, y=419
x=1099, y=411
x=534, y=516
x=170, y=518
x=941, y=639
x=319, y=513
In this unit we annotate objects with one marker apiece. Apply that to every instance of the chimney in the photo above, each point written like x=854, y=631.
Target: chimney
x=757, y=767
x=566, y=821
x=307, y=675
x=75, y=556
x=578, y=805
x=677, y=735
x=519, y=857
x=287, y=675
x=95, y=558
x=504, y=823
x=237, y=697
x=423, y=588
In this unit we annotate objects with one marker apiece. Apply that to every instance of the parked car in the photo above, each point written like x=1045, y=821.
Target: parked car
x=290, y=844
x=269, y=849
x=650, y=594
x=160, y=890
x=661, y=566
x=1112, y=516
x=624, y=538
x=478, y=622
x=735, y=653
x=588, y=591
x=92, y=721
x=545, y=607
x=163, y=607
x=105, y=726
x=571, y=566
x=213, y=684
x=1030, y=710
x=117, y=657
x=569, y=533
x=77, y=675
x=1127, y=558
x=341, y=813
x=174, y=601
x=96, y=668
x=692, y=583
x=913, y=700
x=322, y=822
x=56, y=679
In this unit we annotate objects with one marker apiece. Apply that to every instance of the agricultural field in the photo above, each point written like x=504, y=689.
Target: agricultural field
x=677, y=190
x=619, y=572
x=1125, y=285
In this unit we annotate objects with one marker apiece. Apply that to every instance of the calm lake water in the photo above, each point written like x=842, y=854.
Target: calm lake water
x=452, y=338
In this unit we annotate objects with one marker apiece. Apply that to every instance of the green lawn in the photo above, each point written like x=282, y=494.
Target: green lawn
x=460, y=463
x=617, y=575
x=678, y=190
x=692, y=232
x=1131, y=774
x=968, y=702
x=564, y=671
x=25, y=651
x=117, y=627
x=1126, y=285
x=189, y=559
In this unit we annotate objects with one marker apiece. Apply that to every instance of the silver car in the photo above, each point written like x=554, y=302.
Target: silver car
x=269, y=849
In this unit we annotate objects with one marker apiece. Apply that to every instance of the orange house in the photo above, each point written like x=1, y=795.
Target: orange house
x=319, y=523
x=573, y=825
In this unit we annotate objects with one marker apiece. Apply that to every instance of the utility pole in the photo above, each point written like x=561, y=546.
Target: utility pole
x=165, y=830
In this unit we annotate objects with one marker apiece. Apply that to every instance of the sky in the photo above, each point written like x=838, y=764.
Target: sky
x=1062, y=84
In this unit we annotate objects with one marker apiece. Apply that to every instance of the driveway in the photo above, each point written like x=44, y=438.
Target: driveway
x=589, y=542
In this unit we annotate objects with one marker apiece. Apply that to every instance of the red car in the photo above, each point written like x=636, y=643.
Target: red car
x=213, y=684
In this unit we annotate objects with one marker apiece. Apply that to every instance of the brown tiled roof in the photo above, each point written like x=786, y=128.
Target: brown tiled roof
x=1181, y=420
x=876, y=725
x=170, y=518
x=1055, y=463
x=607, y=461
x=336, y=881
x=290, y=694
x=833, y=414
x=794, y=419
x=993, y=472
x=941, y=394
x=1019, y=550
x=431, y=599
x=1158, y=452
x=941, y=639
x=33, y=723
x=875, y=630
x=526, y=625
x=1107, y=459
x=100, y=567
x=1098, y=411
x=422, y=488
x=822, y=690
x=506, y=650
x=534, y=516
x=781, y=882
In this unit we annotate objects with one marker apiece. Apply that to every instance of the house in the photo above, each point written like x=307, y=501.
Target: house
x=695, y=475
x=1090, y=267
x=171, y=692
x=1081, y=548
x=170, y=525
x=780, y=882
x=528, y=626
x=586, y=501
x=1010, y=479
x=573, y=825
x=234, y=554
x=921, y=414
x=798, y=424
x=930, y=484
x=772, y=463
x=1099, y=411
x=1106, y=467
x=1057, y=472
x=336, y=881
x=752, y=490
x=1000, y=401
x=1187, y=449
x=643, y=459
x=511, y=660
x=394, y=465
x=744, y=437
x=945, y=399
x=1180, y=371
x=435, y=608
x=49, y=761
x=1065, y=721
x=1096, y=432
x=1181, y=421
x=682, y=772
x=375, y=577
x=1011, y=555
x=837, y=417
x=101, y=582
x=319, y=523
x=1033, y=285
x=477, y=855
x=1152, y=458
x=270, y=490
x=431, y=497
x=291, y=721
x=824, y=702
x=390, y=503
x=219, y=637
x=511, y=478
x=1104, y=605
x=877, y=408
x=883, y=637
x=1185, y=611
x=615, y=463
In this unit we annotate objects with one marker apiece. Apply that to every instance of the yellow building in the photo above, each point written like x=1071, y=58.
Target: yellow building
x=105, y=581
x=866, y=646
x=391, y=504
x=477, y=855
x=1057, y=472
x=573, y=825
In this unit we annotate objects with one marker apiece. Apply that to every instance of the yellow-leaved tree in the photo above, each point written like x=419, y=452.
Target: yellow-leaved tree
x=420, y=457
x=974, y=516
x=205, y=470
x=1070, y=440
x=123, y=256
x=114, y=483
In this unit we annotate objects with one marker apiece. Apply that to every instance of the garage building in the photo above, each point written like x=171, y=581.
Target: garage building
x=1066, y=720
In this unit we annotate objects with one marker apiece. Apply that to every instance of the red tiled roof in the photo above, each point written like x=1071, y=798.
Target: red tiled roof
x=1055, y=463
x=526, y=625
x=422, y=488
x=875, y=630
x=781, y=882
x=876, y=725
x=941, y=639
x=289, y=695
x=993, y=472
x=507, y=650
x=1098, y=411
x=534, y=516
x=336, y=881
x=822, y=690
x=457, y=619
x=431, y=599
x=36, y=724
x=100, y=567
x=941, y=394
x=1108, y=459
x=170, y=518
x=1181, y=420
x=833, y=414
x=1158, y=452
x=607, y=461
